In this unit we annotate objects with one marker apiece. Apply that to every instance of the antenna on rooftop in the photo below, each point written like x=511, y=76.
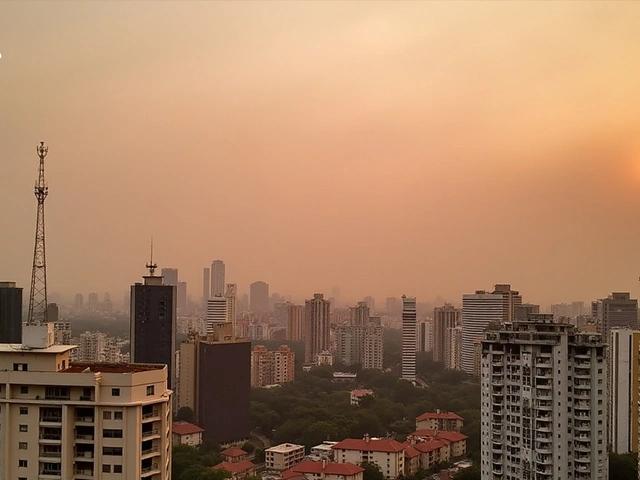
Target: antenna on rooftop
x=152, y=266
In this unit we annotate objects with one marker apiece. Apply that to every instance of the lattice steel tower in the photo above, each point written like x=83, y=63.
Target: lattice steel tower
x=38, y=297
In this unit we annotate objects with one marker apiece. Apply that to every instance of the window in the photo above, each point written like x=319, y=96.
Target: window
x=20, y=367
x=23, y=446
x=24, y=390
x=115, y=392
x=150, y=390
x=106, y=468
x=117, y=469
x=24, y=428
x=117, y=415
x=106, y=415
x=115, y=451
x=22, y=463
x=24, y=410
x=111, y=433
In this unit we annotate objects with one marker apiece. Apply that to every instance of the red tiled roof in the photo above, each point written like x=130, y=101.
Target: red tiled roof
x=410, y=451
x=361, y=393
x=389, y=446
x=441, y=415
x=441, y=434
x=235, y=467
x=430, y=445
x=330, y=468
x=233, y=452
x=291, y=475
x=185, y=428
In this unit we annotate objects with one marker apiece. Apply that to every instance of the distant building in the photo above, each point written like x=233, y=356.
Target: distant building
x=310, y=470
x=78, y=301
x=92, y=302
x=216, y=312
x=387, y=454
x=360, y=341
x=317, y=327
x=355, y=396
x=453, y=348
x=231, y=295
x=170, y=276
x=238, y=470
x=62, y=333
x=424, y=336
x=272, y=367
x=443, y=318
x=618, y=310
x=10, y=313
x=259, y=297
x=439, y=420
x=283, y=457
x=324, y=450
x=206, y=286
x=185, y=433
x=218, y=286
x=182, y=295
x=408, y=338
x=52, y=312
x=295, y=322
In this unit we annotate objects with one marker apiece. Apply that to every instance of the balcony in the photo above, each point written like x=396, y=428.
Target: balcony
x=150, y=452
x=85, y=419
x=50, y=438
x=150, y=433
x=151, y=416
x=150, y=470
x=50, y=474
x=83, y=456
x=83, y=473
x=84, y=437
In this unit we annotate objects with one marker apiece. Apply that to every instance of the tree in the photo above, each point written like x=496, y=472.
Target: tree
x=248, y=447
x=186, y=414
x=471, y=473
x=371, y=471
x=623, y=467
x=259, y=456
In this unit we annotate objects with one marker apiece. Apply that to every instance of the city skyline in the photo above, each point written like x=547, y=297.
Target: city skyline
x=477, y=126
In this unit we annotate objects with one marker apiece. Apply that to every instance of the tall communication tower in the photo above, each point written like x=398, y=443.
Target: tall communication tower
x=38, y=297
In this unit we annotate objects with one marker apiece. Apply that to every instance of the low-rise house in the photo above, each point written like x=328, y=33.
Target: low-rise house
x=185, y=433
x=387, y=454
x=238, y=470
x=283, y=457
x=324, y=470
x=411, y=460
x=440, y=420
x=233, y=454
x=357, y=395
x=457, y=441
x=323, y=450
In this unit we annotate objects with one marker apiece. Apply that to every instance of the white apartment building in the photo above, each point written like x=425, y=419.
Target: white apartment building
x=624, y=357
x=216, y=312
x=231, y=295
x=409, y=338
x=62, y=333
x=387, y=454
x=453, y=348
x=543, y=402
x=97, y=347
x=80, y=421
x=282, y=457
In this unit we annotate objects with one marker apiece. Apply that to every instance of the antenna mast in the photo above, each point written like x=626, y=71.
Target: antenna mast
x=152, y=266
x=38, y=296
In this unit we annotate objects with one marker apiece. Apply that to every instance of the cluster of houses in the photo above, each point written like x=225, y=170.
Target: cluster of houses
x=437, y=439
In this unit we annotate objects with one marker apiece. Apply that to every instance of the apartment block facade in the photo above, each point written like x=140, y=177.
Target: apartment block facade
x=272, y=367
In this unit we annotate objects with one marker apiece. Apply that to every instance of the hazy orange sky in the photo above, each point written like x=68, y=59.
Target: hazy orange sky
x=386, y=147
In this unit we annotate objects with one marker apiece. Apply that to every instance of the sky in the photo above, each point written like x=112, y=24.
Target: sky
x=420, y=148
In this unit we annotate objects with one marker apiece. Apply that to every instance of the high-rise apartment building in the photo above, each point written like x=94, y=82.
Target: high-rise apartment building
x=215, y=382
x=62, y=420
x=272, y=367
x=618, y=310
x=295, y=322
x=392, y=305
x=153, y=324
x=624, y=369
x=92, y=301
x=408, y=338
x=216, y=312
x=317, y=328
x=424, y=335
x=481, y=309
x=170, y=276
x=218, y=287
x=359, y=341
x=522, y=312
x=78, y=301
x=10, y=313
x=543, y=402
x=98, y=347
x=453, y=348
x=231, y=294
x=206, y=286
x=181, y=294
x=62, y=333
x=259, y=297
x=370, y=302
x=444, y=317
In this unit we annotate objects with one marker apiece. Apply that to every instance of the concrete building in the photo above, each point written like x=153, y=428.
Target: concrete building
x=624, y=369
x=216, y=312
x=231, y=294
x=52, y=312
x=153, y=324
x=98, y=347
x=424, y=335
x=317, y=328
x=62, y=333
x=273, y=367
x=259, y=297
x=206, y=287
x=618, y=310
x=169, y=276
x=439, y=420
x=453, y=348
x=78, y=301
x=218, y=285
x=386, y=454
x=10, y=313
x=481, y=309
x=355, y=396
x=181, y=293
x=408, y=338
x=543, y=404
x=444, y=317
x=81, y=421
x=185, y=433
x=325, y=470
x=295, y=322
x=359, y=341
x=282, y=457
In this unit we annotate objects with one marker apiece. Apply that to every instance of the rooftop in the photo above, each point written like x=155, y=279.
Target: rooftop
x=96, y=367
x=326, y=468
x=233, y=452
x=440, y=434
x=235, y=467
x=439, y=416
x=19, y=348
x=284, y=447
x=370, y=445
x=185, y=428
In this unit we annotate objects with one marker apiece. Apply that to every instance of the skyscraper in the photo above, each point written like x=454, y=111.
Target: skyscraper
x=10, y=313
x=359, y=341
x=424, y=335
x=317, y=327
x=217, y=278
x=618, y=310
x=259, y=297
x=295, y=322
x=182, y=295
x=624, y=358
x=231, y=294
x=273, y=367
x=170, y=276
x=543, y=403
x=216, y=312
x=153, y=323
x=481, y=309
x=78, y=301
x=206, y=282
x=444, y=317
x=409, y=338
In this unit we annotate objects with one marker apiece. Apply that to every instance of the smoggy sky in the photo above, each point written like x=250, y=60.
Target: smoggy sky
x=387, y=147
